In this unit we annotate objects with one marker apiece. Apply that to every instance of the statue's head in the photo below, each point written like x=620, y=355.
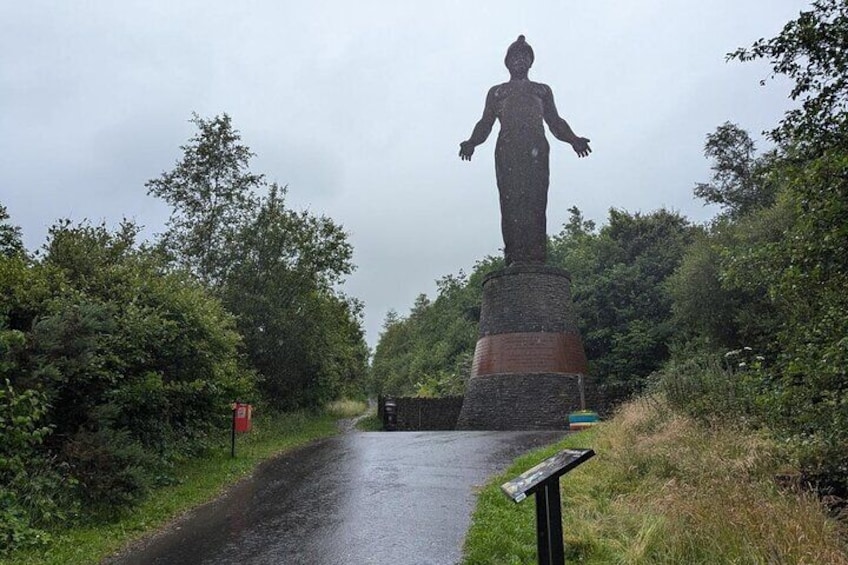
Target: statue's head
x=519, y=57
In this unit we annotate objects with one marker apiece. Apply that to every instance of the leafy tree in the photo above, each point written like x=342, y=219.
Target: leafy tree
x=619, y=276
x=275, y=268
x=785, y=264
x=740, y=182
x=114, y=367
x=813, y=392
x=117, y=323
x=810, y=51
x=721, y=292
x=211, y=191
x=23, y=507
x=280, y=285
x=429, y=353
x=388, y=374
x=10, y=235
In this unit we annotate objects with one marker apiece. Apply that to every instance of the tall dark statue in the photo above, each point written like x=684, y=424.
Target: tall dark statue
x=521, y=154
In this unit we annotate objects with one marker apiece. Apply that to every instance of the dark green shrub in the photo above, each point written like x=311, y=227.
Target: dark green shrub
x=713, y=388
x=110, y=467
x=30, y=490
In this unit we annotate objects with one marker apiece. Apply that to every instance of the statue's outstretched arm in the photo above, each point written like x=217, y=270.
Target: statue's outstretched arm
x=560, y=128
x=481, y=130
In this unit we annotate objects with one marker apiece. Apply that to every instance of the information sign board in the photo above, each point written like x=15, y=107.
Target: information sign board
x=553, y=467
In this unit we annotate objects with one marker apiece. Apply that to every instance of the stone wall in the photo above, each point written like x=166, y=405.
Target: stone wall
x=523, y=401
x=427, y=413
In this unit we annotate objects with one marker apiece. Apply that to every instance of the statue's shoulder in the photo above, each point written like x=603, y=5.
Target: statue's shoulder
x=499, y=90
x=541, y=89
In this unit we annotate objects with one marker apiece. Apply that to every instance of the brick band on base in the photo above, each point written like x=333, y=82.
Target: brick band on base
x=529, y=355
x=529, y=352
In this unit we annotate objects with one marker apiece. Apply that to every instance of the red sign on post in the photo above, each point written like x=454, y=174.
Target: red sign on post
x=242, y=417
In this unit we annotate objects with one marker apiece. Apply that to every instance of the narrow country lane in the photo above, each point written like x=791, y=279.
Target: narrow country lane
x=402, y=498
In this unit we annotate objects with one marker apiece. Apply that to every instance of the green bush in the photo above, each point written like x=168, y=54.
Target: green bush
x=110, y=467
x=29, y=490
x=711, y=387
x=115, y=367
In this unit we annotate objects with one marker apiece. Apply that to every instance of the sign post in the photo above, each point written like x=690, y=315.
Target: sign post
x=543, y=481
x=233, y=432
x=241, y=422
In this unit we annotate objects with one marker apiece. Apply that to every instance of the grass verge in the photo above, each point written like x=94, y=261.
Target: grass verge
x=663, y=489
x=200, y=480
x=347, y=408
x=370, y=423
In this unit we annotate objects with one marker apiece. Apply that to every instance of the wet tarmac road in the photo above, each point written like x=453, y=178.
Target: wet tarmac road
x=402, y=498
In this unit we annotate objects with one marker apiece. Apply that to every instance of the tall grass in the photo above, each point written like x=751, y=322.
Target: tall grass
x=370, y=423
x=712, y=389
x=665, y=488
x=346, y=408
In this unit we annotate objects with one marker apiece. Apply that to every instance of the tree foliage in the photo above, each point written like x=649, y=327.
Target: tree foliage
x=429, y=352
x=118, y=359
x=784, y=267
x=212, y=193
x=812, y=52
x=10, y=235
x=622, y=305
x=619, y=275
x=721, y=291
x=741, y=182
x=113, y=367
x=275, y=268
x=810, y=260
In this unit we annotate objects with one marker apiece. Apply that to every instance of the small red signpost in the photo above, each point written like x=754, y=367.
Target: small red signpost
x=242, y=417
x=241, y=422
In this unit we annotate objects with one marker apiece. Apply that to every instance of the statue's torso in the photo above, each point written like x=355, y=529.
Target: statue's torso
x=519, y=105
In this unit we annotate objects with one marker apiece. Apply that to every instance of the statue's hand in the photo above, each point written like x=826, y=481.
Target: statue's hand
x=581, y=146
x=466, y=150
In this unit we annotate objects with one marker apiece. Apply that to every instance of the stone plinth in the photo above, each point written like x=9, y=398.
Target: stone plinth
x=529, y=357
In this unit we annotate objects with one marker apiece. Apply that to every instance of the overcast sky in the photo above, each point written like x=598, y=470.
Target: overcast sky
x=359, y=107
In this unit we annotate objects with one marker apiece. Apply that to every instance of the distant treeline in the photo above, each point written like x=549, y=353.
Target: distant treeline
x=741, y=320
x=118, y=358
x=620, y=284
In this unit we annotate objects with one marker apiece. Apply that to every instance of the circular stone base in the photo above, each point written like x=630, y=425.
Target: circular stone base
x=527, y=299
x=527, y=324
x=540, y=401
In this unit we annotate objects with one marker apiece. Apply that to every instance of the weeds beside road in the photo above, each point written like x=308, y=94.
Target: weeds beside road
x=198, y=481
x=664, y=489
